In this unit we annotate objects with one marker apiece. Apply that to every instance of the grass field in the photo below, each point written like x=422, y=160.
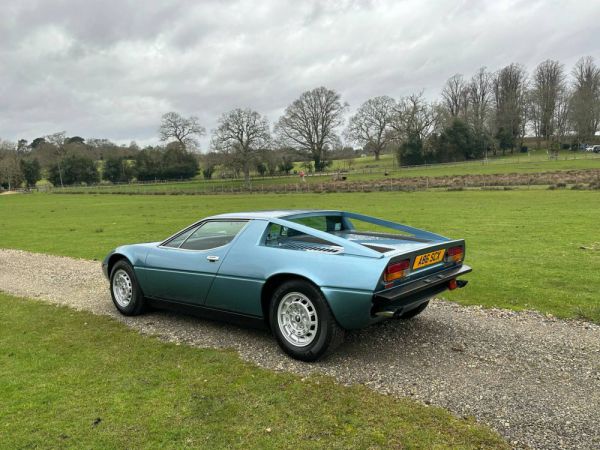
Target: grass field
x=388, y=162
x=534, y=249
x=367, y=169
x=74, y=380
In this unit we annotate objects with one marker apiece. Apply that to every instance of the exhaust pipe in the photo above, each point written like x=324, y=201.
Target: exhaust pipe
x=389, y=314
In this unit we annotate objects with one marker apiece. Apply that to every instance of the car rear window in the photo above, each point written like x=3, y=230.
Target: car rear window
x=292, y=239
x=321, y=223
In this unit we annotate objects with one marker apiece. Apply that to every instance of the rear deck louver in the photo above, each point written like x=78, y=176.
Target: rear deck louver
x=310, y=247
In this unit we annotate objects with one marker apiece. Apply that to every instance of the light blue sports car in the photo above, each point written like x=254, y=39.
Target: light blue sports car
x=307, y=275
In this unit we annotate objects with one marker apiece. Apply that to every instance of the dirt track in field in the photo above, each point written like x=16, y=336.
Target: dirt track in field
x=533, y=378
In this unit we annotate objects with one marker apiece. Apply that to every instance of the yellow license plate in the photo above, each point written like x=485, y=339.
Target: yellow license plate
x=429, y=258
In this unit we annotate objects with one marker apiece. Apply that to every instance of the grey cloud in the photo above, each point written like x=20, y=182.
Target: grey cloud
x=110, y=69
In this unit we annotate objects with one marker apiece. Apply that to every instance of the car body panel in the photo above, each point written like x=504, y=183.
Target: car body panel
x=351, y=308
x=346, y=265
x=240, y=279
x=183, y=276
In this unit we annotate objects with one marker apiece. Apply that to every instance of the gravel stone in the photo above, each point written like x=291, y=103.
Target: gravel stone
x=532, y=377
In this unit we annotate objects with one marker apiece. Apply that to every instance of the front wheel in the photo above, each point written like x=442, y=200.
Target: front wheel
x=125, y=291
x=302, y=322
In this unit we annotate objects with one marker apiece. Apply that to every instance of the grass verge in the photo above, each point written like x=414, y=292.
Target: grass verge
x=70, y=379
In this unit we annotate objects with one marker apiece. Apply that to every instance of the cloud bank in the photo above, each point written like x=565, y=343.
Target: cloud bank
x=111, y=69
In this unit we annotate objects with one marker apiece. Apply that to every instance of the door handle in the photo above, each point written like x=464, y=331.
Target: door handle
x=212, y=258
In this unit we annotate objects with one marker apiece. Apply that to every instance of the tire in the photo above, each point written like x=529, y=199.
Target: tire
x=414, y=312
x=125, y=290
x=302, y=321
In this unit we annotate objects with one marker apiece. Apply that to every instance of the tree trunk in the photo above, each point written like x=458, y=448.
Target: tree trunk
x=247, y=174
x=317, y=160
x=60, y=174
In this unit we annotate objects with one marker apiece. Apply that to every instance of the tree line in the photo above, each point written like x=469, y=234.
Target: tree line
x=484, y=114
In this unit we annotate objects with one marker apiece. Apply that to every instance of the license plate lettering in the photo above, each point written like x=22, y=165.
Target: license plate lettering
x=428, y=258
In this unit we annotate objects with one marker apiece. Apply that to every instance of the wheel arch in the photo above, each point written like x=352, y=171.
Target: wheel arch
x=272, y=283
x=114, y=258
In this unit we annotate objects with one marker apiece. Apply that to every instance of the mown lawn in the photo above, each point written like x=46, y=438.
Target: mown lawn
x=530, y=249
x=70, y=379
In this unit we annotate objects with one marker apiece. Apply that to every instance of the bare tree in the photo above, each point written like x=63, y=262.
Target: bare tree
x=561, y=114
x=414, y=121
x=309, y=124
x=480, y=99
x=414, y=117
x=371, y=125
x=479, y=92
x=510, y=89
x=241, y=134
x=585, y=102
x=548, y=84
x=10, y=170
x=455, y=96
x=208, y=162
x=57, y=140
x=181, y=129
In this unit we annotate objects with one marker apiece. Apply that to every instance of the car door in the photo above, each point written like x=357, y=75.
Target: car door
x=183, y=268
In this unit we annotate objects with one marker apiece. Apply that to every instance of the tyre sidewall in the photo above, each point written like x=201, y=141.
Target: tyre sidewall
x=136, y=304
x=320, y=344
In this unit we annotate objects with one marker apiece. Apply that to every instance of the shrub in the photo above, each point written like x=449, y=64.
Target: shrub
x=74, y=169
x=118, y=170
x=31, y=171
x=157, y=164
x=207, y=172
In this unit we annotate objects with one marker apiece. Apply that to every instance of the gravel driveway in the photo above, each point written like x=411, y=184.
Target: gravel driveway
x=533, y=378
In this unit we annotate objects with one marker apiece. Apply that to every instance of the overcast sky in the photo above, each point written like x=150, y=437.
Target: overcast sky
x=110, y=69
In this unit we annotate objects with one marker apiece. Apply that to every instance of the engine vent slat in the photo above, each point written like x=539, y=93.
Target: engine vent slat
x=310, y=247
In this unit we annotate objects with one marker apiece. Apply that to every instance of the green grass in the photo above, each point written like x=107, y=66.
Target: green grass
x=530, y=249
x=367, y=169
x=388, y=162
x=70, y=379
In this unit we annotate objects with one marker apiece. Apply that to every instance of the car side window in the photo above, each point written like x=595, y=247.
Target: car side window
x=274, y=234
x=213, y=234
x=179, y=239
x=284, y=237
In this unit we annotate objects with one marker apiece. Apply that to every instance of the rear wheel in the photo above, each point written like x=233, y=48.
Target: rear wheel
x=414, y=312
x=302, y=322
x=124, y=289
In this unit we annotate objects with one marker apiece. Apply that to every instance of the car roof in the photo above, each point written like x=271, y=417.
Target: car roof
x=273, y=214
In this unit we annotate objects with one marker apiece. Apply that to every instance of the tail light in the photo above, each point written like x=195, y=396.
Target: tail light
x=456, y=254
x=396, y=270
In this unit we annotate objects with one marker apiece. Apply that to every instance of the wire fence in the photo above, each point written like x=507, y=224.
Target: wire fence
x=384, y=177
x=577, y=179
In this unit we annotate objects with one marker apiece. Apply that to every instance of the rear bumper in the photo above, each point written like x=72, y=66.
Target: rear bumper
x=393, y=302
